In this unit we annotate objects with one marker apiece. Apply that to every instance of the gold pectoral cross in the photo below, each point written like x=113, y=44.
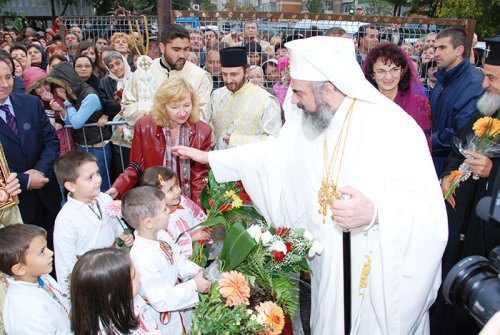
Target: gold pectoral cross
x=327, y=192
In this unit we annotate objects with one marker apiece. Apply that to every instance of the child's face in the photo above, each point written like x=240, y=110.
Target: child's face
x=172, y=192
x=160, y=219
x=38, y=259
x=135, y=278
x=88, y=184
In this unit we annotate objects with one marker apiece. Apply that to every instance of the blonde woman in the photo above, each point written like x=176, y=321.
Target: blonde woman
x=121, y=42
x=174, y=121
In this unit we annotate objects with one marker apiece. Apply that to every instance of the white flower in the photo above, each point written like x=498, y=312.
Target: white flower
x=255, y=232
x=311, y=253
x=249, y=312
x=278, y=246
x=308, y=235
x=317, y=247
x=261, y=318
x=253, y=317
x=266, y=237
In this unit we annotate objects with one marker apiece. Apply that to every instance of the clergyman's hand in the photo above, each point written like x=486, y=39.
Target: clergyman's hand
x=354, y=212
x=480, y=165
x=190, y=153
x=13, y=186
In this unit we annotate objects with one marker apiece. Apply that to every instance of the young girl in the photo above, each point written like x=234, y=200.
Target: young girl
x=281, y=87
x=104, y=299
x=184, y=213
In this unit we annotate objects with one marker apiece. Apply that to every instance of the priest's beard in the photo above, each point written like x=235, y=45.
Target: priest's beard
x=489, y=103
x=315, y=122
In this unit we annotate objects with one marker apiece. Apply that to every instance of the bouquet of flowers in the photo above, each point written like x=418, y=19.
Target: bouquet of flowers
x=484, y=140
x=225, y=310
x=269, y=258
x=117, y=96
x=114, y=209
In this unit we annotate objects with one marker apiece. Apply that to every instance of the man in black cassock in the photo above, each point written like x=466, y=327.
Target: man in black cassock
x=468, y=234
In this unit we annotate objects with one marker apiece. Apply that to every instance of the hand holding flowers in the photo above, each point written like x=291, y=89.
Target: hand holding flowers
x=126, y=238
x=483, y=143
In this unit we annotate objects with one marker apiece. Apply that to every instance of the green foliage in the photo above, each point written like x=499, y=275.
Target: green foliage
x=487, y=19
x=315, y=6
x=377, y=7
x=237, y=245
x=207, y=5
x=236, y=6
x=213, y=317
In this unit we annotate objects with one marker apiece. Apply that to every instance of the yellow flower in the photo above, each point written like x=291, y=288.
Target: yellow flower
x=486, y=126
x=229, y=194
x=275, y=321
x=237, y=202
x=234, y=288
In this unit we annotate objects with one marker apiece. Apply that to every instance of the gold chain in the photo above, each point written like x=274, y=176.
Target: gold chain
x=328, y=189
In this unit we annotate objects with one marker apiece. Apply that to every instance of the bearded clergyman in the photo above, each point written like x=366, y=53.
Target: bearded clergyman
x=349, y=160
x=241, y=112
x=468, y=233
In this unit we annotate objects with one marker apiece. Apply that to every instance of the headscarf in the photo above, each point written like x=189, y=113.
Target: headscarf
x=120, y=82
x=44, y=63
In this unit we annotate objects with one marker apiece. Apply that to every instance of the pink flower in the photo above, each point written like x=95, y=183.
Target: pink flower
x=114, y=209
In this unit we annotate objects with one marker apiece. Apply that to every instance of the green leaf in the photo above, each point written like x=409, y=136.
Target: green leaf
x=212, y=222
x=237, y=245
x=204, y=198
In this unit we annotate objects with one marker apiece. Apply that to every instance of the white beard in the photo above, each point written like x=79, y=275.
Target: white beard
x=315, y=123
x=488, y=104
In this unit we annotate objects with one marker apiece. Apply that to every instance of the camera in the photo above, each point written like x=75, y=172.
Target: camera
x=474, y=283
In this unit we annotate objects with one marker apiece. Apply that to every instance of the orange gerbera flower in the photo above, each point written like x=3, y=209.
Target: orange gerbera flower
x=486, y=126
x=234, y=288
x=275, y=317
x=455, y=175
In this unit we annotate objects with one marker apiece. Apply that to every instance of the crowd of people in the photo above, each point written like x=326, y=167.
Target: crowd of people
x=91, y=119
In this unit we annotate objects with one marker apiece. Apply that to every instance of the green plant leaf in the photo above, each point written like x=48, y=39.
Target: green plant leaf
x=212, y=222
x=204, y=198
x=237, y=245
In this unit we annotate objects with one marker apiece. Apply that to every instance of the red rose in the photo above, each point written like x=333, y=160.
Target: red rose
x=288, y=247
x=245, y=197
x=201, y=242
x=278, y=256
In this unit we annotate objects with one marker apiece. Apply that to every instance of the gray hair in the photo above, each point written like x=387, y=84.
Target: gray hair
x=110, y=56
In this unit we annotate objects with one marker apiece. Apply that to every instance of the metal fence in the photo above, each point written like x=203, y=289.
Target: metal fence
x=269, y=24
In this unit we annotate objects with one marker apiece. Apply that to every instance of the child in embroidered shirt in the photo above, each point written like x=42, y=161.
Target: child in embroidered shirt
x=184, y=213
x=104, y=287
x=34, y=303
x=82, y=224
x=169, y=282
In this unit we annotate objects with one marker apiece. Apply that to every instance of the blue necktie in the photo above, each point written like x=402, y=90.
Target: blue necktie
x=10, y=119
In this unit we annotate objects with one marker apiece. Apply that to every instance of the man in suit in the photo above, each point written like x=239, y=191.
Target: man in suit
x=31, y=148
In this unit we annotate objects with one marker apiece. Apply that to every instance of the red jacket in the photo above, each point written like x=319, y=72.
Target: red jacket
x=148, y=149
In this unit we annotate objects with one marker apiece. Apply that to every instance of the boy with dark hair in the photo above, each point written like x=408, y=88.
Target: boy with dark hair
x=34, y=303
x=169, y=282
x=83, y=223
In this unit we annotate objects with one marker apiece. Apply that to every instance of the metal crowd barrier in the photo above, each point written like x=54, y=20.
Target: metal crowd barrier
x=101, y=144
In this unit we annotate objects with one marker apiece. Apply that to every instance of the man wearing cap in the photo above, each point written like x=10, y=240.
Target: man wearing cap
x=174, y=46
x=347, y=151
x=468, y=233
x=241, y=112
x=154, y=47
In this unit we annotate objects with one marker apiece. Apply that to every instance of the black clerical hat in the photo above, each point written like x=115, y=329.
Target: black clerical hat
x=493, y=51
x=233, y=57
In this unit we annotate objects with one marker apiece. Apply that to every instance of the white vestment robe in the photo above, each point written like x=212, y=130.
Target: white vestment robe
x=386, y=158
x=250, y=114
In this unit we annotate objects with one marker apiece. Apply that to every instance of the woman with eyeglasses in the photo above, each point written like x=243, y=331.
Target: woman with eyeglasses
x=85, y=69
x=390, y=70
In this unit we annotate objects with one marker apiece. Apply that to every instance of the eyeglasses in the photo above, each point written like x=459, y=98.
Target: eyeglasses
x=382, y=73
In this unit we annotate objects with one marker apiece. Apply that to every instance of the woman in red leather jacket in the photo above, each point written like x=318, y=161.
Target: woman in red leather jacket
x=174, y=121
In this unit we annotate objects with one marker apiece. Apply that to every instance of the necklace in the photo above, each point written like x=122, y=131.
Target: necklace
x=97, y=213
x=51, y=290
x=328, y=189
